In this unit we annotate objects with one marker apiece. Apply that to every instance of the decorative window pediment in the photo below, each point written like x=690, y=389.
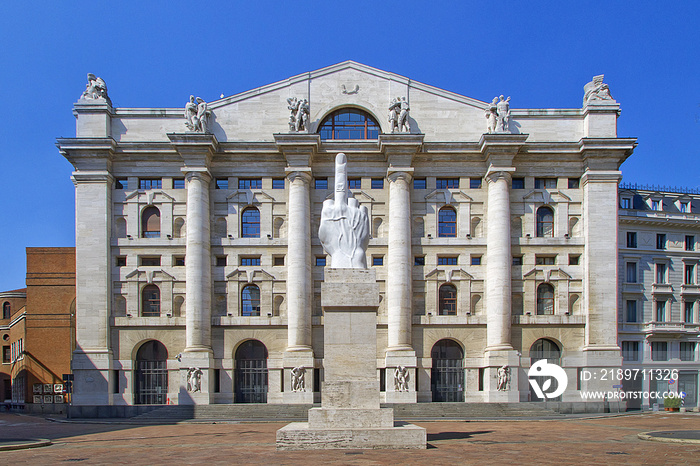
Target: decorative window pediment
x=249, y=196
x=448, y=275
x=547, y=275
x=150, y=276
x=250, y=275
x=448, y=196
x=150, y=197
x=540, y=196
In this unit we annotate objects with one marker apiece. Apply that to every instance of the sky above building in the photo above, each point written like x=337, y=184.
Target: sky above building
x=157, y=53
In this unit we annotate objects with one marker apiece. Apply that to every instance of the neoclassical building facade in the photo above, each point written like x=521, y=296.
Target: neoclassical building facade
x=199, y=268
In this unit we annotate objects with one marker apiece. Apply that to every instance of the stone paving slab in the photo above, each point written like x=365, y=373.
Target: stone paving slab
x=610, y=440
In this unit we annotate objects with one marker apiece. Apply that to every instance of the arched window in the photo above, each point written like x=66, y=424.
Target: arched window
x=150, y=222
x=545, y=222
x=447, y=373
x=448, y=300
x=250, y=301
x=251, y=373
x=550, y=351
x=447, y=223
x=151, y=386
x=545, y=299
x=150, y=301
x=250, y=223
x=6, y=310
x=349, y=124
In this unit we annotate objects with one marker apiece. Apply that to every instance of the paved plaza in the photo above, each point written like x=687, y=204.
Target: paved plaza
x=608, y=440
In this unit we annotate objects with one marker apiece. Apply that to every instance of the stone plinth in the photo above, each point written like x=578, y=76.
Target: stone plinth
x=350, y=416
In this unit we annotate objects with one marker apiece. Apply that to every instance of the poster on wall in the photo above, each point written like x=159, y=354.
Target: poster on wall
x=58, y=398
x=38, y=389
x=58, y=388
x=48, y=388
x=38, y=398
x=48, y=399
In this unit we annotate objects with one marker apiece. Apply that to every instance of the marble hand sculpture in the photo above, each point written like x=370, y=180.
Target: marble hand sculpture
x=344, y=229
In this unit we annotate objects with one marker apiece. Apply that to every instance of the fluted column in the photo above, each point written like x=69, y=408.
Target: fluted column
x=498, y=262
x=299, y=262
x=399, y=288
x=198, y=262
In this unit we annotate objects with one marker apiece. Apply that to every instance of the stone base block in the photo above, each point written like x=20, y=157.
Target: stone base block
x=298, y=436
x=298, y=398
x=401, y=397
x=356, y=394
x=340, y=418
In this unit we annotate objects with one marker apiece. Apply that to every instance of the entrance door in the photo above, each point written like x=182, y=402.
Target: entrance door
x=151, y=387
x=447, y=374
x=544, y=349
x=688, y=383
x=251, y=373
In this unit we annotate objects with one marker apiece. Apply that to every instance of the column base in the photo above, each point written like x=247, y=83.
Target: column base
x=298, y=357
x=395, y=358
x=190, y=393
x=300, y=436
x=493, y=361
x=92, y=373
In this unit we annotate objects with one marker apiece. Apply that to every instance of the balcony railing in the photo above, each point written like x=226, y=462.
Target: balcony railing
x=671, y=327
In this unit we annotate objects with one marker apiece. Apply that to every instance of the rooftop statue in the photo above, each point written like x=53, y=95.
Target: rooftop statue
x=196, y=115
x=498, y=116
x=95, y=89
x=299, y=118
x=344, y=229
x=596, y=90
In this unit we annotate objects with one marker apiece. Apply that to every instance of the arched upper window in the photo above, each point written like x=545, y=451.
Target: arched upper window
x=250, y=301
x=250, y=223
x=349, y=124
x=150, y=300
x=545, y=349
x=150, y=222
x=6, y=310
x=448, y=300
x=545, y=299
x=447, y=223
x=545, y=222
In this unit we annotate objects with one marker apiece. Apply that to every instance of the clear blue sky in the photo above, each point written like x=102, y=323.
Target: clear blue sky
x=157, y=53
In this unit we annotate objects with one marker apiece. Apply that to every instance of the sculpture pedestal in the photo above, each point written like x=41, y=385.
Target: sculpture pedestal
x=350, y=416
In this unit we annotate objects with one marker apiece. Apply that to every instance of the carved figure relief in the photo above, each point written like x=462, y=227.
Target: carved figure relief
x=299, y=118
x=95, y=89
x=298, y=379
x=194, y=379
x=401, y=377
x=596, y=90
x=503, y=378
x=398, y=115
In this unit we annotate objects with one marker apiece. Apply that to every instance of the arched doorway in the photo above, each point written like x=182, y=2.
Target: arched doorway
x=447, y=374
x=549, y=350
x=251, y=373
x=151, y=375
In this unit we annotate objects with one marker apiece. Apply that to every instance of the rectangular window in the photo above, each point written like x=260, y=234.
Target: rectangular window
x=150, y=261
x=630, y=351
x=655, y=205
x=179, y=261
x=661, y=311
x=631, y=311
x=481, y=379
x=660, y=273
x=221, y=261
x=150, y=183
x=545, y=260
x=377, y=183
x=250, y=183
x=476, y=260
x=222, y=183
x=626, y=203
x=115, y=381
x=631, y=274
x=442, y=260
x=6, y=354
x=549, y=183
x=688, y=350
x=518, y=183
x=689, y=243
x=517, y=260
x=120, y=261
x=377, y=260
x=121, y=183
x=689, y=274
x=659, y=351
x=574, y=259
x=419, y=260
x=573, y=183
x=217, y=380
x=689, y=311
x=419, y=183
x=278, y=261
x=277, y=183
x=684, y=207
x=321, y=183
x=354, y=183
x=660, y=241
x=250, y=260
x=474, y=183
x=447, y=183
x=178, y=183
x=321, y=261
x=631, y=239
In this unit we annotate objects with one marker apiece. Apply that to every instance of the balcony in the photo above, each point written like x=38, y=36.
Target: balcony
x=690, y=290
x=661, y=288
x=671, y=328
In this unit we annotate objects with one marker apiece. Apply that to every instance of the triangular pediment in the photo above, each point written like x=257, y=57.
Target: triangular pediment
x=448, y=196
x=546, y=274
x=546, y=197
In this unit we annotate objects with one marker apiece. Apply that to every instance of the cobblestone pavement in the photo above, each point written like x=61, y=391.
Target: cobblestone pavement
x=610, y=440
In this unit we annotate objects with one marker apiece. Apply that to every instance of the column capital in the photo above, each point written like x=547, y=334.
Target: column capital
x=88, y=154
x=298, y=149
x=494, y=174
x=400, y=148
x=91, y=177
x=196, y=149
x=601, y=176
x=395, y=174
x=500, y=149
x=198, y=173
x=299, y=173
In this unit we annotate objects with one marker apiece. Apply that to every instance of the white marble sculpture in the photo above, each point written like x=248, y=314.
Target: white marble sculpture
x=498, y=116
x=404, y=125
x=196, y=115
x=596, y=90
x=299, y=118
x=491, y=114
x=394, y=110
x=298, y=379
x=95, y=89
x=401, y=377
x=503, y=378
x=194, y=379
x=344, y=229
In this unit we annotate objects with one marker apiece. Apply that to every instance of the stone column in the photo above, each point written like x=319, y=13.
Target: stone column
x=198, y=262
x=399, y=289
x=498, y=262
